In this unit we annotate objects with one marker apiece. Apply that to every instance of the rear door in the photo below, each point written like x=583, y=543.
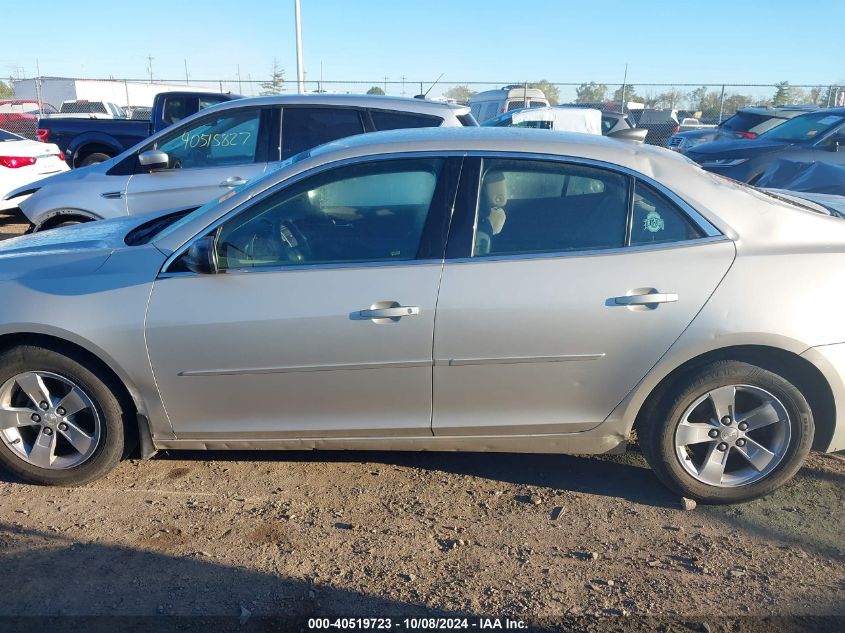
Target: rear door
x=564, y=284
x=208, y=155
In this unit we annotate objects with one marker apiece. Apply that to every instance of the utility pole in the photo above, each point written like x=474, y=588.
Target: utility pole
x=624, y=85
x=150, y=66
x=240, y=91
x=38, y=85
x=403, y=85
x=299, y=70
x=186, y=71
x=385, y=83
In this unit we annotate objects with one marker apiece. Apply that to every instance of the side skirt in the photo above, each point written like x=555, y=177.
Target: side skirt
x=571, y=443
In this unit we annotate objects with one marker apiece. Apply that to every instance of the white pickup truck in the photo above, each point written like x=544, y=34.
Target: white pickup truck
x=83, y=109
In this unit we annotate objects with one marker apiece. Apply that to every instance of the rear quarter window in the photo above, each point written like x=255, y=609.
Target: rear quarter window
x=386, y=120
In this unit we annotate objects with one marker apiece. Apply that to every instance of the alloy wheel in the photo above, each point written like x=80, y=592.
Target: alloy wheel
x=48, y=421
x=733, y=436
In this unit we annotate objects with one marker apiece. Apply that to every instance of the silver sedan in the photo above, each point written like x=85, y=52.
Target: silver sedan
x=477, y=290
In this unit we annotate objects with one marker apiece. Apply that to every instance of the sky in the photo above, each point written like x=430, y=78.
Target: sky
x=712, y=42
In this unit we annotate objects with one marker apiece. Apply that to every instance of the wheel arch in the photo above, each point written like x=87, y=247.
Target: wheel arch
x=99, y=359
x=57, y=216
x=798, y=370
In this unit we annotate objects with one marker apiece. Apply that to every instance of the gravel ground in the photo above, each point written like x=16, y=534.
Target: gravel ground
x=11, y=224
x=538, y=538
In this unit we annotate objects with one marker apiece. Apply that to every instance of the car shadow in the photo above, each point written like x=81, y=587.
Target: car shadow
x=58, y=584
x=623, y=476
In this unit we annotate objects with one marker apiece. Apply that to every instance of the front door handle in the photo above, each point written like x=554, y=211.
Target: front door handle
x=233, y=181
x=396, y=312
x=646, y=299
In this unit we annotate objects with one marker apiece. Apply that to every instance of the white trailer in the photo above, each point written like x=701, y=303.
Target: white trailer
x=55, y=90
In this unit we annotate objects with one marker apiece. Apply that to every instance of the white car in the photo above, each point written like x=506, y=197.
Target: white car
x=23, y=162
x=219, y=148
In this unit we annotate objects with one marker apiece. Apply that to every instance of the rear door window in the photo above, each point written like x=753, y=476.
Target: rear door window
x=306, y=128
x=528, y=206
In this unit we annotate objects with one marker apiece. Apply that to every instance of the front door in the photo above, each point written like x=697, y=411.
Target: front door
x=575, y=284
x=207, y=157
x=321, y=320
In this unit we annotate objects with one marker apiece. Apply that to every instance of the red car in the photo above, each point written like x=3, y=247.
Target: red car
x=20, y=116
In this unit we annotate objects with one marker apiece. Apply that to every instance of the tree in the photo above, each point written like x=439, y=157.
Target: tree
x=591, y=93
x=630, y=94
x=670, y=99
x=459, y=93
x=375, y=90
x=783, y=94
x=276, y=84
x=6, y=90
x=549, y=89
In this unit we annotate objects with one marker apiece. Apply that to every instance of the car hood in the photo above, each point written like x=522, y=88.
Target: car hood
x=744, y=148
x=91, y=237
x=90, y=173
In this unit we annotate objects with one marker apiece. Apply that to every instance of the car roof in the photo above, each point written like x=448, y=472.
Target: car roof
x=782, y=112
x=406, y=104
x=488, y=139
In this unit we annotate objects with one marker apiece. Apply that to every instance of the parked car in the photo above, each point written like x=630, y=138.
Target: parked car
x=661, y=124
x=583, y=120
x=23, y=162
x=87, y=142
x=812, y=137
x=218, y=148
x=21, y=116
x=747, y=123
x=560, y=118
x=299, y=311
x=485, y=105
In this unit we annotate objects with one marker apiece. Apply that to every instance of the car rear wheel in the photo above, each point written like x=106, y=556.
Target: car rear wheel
x=60, y=421
x=95, y=158
x=730, y=432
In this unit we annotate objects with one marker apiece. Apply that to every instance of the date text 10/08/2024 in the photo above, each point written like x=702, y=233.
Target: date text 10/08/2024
x=416, y=624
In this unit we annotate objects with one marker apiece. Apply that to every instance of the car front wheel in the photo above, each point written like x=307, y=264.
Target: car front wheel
x=60, y=421
x=730, y=432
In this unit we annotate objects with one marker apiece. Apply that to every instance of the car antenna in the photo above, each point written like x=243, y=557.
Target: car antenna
x=425, y=94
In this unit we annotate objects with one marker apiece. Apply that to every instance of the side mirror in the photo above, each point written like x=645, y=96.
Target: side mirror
x=632, y=135
x=201, y=256
x=154, y=159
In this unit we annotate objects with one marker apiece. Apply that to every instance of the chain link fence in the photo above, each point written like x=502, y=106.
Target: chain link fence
x=24, y=101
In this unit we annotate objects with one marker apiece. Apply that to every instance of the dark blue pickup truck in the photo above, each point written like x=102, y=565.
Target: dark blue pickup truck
x=86, y=141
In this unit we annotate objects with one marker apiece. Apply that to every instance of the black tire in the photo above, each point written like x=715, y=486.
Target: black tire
x=97, y=385
x=93, y=159
x=656, y=431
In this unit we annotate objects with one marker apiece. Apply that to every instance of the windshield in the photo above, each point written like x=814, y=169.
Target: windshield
x=502, y=120
x=8, y=136
x=804, y=128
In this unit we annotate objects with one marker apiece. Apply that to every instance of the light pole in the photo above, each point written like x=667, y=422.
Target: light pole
x=300, y=80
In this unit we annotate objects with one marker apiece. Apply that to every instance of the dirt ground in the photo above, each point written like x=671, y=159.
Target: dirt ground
x=11, y=224
x=578, y=543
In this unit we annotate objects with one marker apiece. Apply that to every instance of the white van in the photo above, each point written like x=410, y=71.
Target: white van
x=485, y=105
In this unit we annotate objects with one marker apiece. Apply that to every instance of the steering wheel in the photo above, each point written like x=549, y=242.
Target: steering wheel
x=294, y=242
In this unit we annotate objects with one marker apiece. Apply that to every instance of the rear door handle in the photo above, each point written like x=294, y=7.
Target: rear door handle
x=646, y=299
x=396, y=312
x=233, y=181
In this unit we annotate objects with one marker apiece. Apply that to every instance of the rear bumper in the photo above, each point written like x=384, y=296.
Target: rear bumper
x=830, y=361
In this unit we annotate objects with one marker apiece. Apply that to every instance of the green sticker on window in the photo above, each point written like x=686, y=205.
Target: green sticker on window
x=653, y=222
